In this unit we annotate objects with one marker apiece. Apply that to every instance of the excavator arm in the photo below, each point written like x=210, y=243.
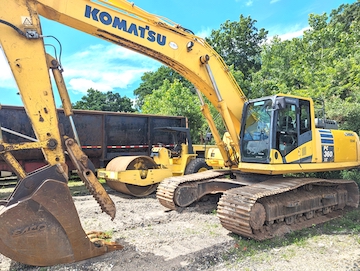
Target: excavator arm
x=39, y=222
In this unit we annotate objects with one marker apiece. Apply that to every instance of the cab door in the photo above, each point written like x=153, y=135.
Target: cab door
x=293, y=130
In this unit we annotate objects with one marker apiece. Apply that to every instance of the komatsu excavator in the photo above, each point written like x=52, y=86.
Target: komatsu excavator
x=265, y=138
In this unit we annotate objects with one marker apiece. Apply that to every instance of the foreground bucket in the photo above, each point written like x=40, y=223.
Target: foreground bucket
x=42, y=227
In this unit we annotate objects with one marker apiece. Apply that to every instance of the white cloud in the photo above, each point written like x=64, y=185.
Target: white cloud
x=102, y=67
x=204, y=33
x=249, y=3
x=274, y=1
x=293, y=32
x=83, y=84
x=105, y=68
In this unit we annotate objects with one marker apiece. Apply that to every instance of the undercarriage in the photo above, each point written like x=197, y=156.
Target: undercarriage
x=262, y=207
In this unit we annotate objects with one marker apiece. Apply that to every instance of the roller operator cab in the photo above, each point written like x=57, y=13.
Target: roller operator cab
x=282, y=130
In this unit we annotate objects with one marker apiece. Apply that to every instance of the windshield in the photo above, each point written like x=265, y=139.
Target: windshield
x=256, y=133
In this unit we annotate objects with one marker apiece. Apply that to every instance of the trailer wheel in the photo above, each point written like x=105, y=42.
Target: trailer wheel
x=197, y=165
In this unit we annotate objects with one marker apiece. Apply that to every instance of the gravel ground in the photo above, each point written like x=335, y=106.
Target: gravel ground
x=157, y=239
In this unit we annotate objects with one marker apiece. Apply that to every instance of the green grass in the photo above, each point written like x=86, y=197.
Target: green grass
x=76, y=186
x=348, y=223
x=244, y=248
x=289, y=254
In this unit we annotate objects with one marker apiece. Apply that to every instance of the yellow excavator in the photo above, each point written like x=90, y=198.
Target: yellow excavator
x=265, y=138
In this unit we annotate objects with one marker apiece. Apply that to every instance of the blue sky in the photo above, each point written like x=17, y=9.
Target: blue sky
x=91, y=62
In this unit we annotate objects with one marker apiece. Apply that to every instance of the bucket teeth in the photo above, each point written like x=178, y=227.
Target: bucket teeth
x=80, y=161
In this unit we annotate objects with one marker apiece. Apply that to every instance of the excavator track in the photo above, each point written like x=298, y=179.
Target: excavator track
x=167, y=188
x=274, y=207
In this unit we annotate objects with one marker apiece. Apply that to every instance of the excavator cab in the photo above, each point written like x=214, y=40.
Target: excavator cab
x=273, y=127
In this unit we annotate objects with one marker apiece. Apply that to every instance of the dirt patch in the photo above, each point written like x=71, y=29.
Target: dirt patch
x=156, y=239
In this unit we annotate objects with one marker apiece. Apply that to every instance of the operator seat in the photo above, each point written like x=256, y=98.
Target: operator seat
x=287, y=124
x=287, y=137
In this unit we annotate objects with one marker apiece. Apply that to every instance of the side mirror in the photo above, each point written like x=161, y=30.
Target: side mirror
x=208, y=137
x=280, y=103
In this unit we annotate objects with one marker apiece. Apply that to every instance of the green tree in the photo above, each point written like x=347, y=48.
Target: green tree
x=321, y=64
x=154, y=80
x=239, y=44
x=282, y=69
x=174, y=99
x=324, y=63
x=346, y=15
x=109, y=101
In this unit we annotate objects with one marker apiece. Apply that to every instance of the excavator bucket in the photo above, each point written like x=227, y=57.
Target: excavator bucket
x=39, y=224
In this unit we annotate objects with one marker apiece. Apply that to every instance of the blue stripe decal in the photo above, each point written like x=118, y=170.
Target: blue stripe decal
x=326, y=135
x=325, y=131
x=327, y=141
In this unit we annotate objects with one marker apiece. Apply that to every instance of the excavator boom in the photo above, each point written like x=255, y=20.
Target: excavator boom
x=122, y=23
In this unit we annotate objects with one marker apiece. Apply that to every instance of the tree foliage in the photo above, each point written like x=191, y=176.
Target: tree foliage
x=97, y=100
x=239, y=44
x=324, y=63
x=154, y=80
x=174, y=99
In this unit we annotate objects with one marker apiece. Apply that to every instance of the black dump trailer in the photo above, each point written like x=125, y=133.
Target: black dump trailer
x=103, y=135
